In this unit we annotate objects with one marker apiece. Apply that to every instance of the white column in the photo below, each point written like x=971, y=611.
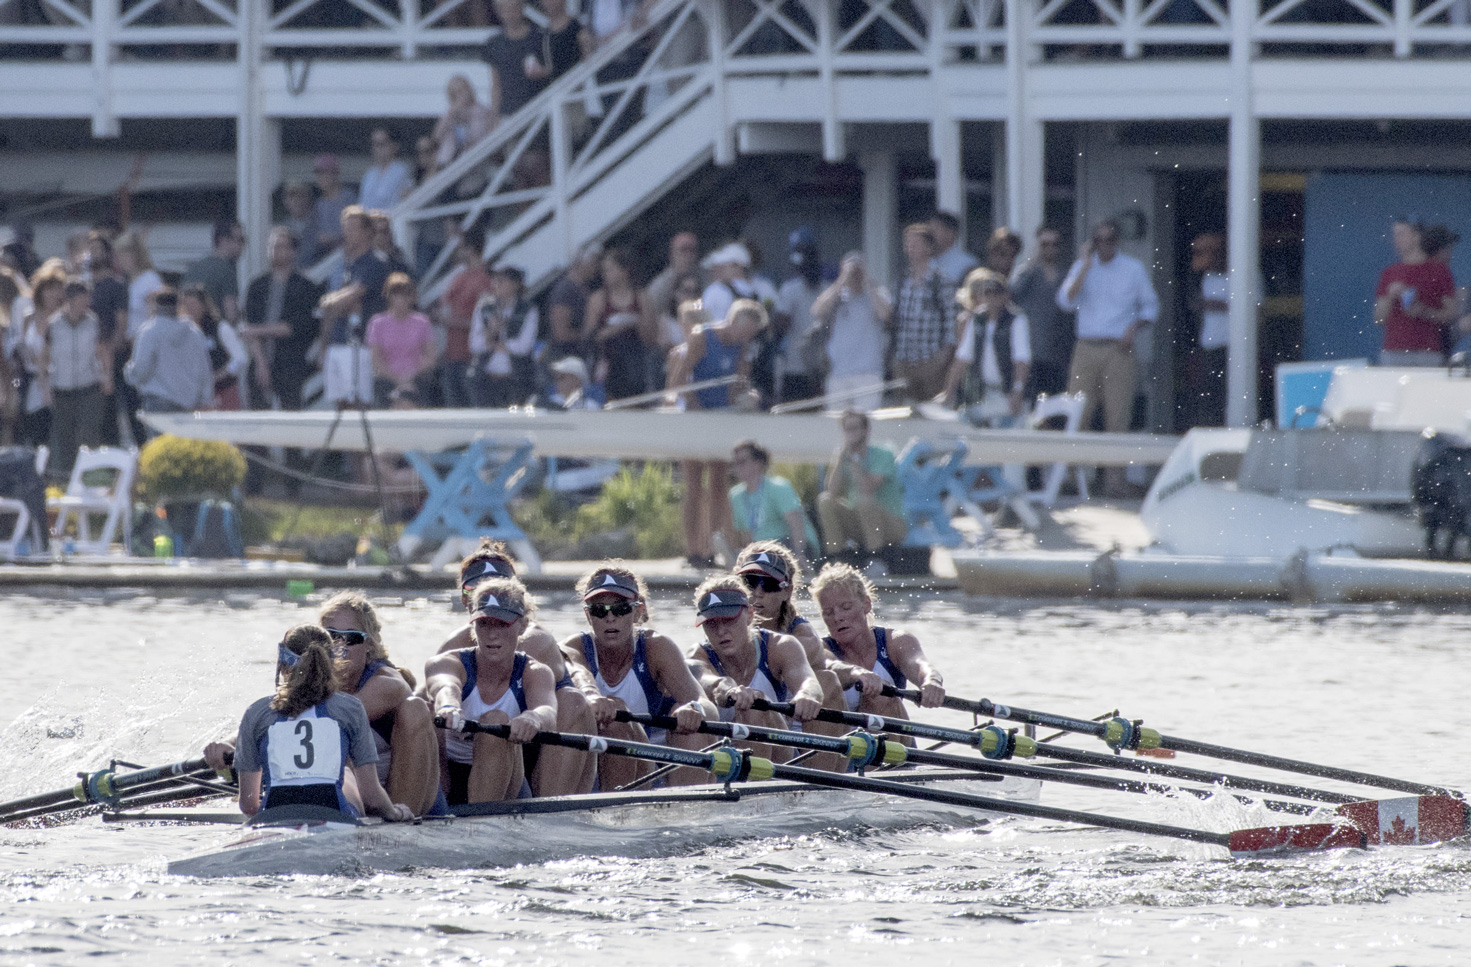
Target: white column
x=949, y=175
x=880, y=210
x=1243, y=226
x=1025, y=160
x=257, y=148
x=104, y=19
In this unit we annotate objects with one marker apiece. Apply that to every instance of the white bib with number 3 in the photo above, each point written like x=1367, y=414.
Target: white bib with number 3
x=305, y=750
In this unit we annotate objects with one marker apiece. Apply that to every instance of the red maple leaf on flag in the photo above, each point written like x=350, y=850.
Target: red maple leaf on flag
x=1398, y=833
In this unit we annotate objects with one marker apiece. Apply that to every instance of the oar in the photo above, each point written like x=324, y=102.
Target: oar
x=104, y=786
x=733, y=765
x=865, y=749
x=1120, y=733
x=996, y=743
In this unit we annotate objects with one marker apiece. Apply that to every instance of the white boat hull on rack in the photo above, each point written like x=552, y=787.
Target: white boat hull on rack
x=650, y=435
x=632, y=824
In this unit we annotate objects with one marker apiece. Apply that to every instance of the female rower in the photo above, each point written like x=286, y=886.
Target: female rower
x=738, y=664
x=865, y=657
x=623, y=667
x=494, y=684
x=303, y=736
x=552, y=771
x=403, y=728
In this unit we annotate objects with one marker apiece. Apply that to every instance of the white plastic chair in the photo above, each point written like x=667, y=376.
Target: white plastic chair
x=114, y=501
x=25, y=528
x=1070, y=407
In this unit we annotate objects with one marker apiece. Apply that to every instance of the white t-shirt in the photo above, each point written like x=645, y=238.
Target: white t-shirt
x=1021, y=347
x=147, y=283
x=719, y=296
x=382, y=188
x=1215, y=324
x=856, y=345
x=794, y=300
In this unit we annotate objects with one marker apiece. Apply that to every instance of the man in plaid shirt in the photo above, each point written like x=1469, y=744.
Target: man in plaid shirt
x=924, y=335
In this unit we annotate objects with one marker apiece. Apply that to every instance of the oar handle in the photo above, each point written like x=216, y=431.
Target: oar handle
x=862, y=748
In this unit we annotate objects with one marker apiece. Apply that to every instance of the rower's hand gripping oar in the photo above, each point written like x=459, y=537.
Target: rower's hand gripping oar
x=1120, y=733
x=733, y=765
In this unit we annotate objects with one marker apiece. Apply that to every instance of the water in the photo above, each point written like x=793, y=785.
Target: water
x=1379, y=689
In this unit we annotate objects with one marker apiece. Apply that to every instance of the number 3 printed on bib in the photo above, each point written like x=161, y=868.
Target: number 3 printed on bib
x=305, y=749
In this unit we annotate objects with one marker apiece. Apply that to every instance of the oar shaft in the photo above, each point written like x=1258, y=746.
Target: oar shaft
x=952, y=798
x=105, y=782
x=1012, y=713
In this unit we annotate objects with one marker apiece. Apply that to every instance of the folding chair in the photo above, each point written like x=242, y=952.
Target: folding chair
x=27, y=530
x=1069, y=407
x=112, y=501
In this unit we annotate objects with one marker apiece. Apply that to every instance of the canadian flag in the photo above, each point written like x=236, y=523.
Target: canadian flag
x=1412, y=819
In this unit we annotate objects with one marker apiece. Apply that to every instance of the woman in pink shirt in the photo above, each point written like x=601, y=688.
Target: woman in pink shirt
x=402, y=343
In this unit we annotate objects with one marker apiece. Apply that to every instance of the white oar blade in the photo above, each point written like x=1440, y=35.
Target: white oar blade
x=1298, y=838
x=1407, y=820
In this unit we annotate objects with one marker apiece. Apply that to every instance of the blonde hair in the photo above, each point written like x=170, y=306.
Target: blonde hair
x=843, y=576
x=721, y=582
x=313, y=677
x=132, y=242
x=367, y=615
x=748, y=307
x=507, y=589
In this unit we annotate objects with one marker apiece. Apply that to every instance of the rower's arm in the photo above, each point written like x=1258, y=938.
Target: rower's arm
x=383, y=693
x=582, y=676
x=705, y=674
x=444, y=676
x=790, y=664
x=250, y=792
x=673, y=676
x=537, y=642
x=460, y=639
x=818, y=657
x=375, y=797
x=904, y=648
x=541, y=699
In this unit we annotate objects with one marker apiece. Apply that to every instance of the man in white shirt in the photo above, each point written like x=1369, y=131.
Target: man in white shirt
x=953, y=262
x=1115, y=300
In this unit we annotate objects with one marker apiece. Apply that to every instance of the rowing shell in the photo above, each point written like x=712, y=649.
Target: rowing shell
x=631, y=824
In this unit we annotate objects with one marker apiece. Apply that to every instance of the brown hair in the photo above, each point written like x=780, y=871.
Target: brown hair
x=510, y=589
x=399, y=282
x=922, y=229
x=722, y=582
x=750, y=552
x=617, y=568
x=490, y=549
x=314, y=675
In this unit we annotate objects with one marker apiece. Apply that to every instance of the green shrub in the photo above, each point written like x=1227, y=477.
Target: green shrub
x=647, y=502
x=173, y=467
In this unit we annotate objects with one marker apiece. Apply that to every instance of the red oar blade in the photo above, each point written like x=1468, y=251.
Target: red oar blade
x=1408, y=820
x=1300, y=838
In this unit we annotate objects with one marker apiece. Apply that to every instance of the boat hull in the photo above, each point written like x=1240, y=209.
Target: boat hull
x=615, y=824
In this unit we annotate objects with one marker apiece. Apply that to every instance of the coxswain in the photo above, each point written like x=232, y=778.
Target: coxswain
x=738, y=663
x=552, y=771
x=491, y=683
x=309, y=744
x=621, y=666
x=403, y=727
x=866, y=657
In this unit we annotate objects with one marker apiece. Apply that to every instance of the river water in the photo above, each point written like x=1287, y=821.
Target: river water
x=1381, y=689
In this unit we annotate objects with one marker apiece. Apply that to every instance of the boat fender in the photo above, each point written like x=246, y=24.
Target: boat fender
x=1120, y=734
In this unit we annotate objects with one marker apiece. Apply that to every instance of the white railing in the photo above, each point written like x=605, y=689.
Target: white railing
x=773, y=32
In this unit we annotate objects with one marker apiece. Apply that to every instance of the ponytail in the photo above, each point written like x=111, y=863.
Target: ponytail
x=312, y=677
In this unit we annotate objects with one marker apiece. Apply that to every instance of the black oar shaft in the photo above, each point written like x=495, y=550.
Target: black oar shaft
x=949, y=797
x=1012, y=713
x=99, y=787
x=1148, y=767
x=840, y=746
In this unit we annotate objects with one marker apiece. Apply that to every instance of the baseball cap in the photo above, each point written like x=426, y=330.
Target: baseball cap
x=486, y=569
x=767, y=564
x=606, y=582
x=572, y=366
x=504, y=610
x=720, y=603
x=735, y=253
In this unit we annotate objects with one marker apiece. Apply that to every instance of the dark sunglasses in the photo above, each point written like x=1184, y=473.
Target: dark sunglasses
x=348, y=637
x=768, y=584
x=618, y=609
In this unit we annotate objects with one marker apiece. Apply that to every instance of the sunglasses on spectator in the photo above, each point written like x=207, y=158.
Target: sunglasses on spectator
x=348, y=636
x=768, y=584
x=618, y=609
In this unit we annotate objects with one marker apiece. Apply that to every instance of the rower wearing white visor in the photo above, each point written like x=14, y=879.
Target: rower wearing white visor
x=308, y=744
x=552, y=771
x=494, y=684
x=866, y=657
x=738, y=664
x=621, y=666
